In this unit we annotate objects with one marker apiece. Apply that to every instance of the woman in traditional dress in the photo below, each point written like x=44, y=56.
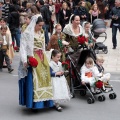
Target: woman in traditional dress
x=35, y=87
x=72, y=31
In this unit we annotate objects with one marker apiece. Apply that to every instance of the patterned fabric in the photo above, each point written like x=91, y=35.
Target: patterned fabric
x=41, y=78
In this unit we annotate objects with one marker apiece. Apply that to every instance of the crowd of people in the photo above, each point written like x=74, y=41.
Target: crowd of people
x=34, y=27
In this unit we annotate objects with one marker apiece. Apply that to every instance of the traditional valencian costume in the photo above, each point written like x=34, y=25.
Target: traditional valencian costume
x=71, y=37
x=35, y=86
x=60, y=85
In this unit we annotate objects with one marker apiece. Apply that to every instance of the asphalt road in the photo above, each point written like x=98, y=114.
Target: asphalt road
x=76, y=109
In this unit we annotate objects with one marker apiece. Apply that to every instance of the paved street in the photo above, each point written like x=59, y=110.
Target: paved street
x=77, y=108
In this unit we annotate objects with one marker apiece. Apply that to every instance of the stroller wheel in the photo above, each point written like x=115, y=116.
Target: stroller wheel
x=96, y=51
x=100, y=98
x=115, y=95
x=82, y=92
x=105, y=51
x=103, y=97
x=112, y=96
x=90, y=100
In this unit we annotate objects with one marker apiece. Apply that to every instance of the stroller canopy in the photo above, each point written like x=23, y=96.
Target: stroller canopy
x=98, y=27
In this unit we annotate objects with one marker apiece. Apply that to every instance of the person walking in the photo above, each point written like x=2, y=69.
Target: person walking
x=115, y=24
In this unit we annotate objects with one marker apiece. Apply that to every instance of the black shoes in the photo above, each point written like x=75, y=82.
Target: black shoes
x=58, y=108
x=114, y=47
x=10, y=70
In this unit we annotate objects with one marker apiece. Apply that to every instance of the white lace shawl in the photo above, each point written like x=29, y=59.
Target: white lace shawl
x=69, y=31
x=26, y=46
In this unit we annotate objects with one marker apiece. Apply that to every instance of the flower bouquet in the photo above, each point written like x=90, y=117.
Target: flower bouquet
x=65, y=65
x=99, y=84
x=82, y=40
x=32, y=61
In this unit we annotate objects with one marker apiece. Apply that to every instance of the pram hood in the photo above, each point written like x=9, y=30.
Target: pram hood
x=78, y=58
x=98, y=26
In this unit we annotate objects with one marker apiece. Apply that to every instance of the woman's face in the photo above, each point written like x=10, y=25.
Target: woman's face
x=58, y=29
x=38, y=26
x=50, y=2
x=64, y=6
x=83, y=4
x=76, y=21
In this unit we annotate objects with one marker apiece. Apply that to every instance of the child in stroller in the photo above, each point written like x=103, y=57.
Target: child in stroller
x=77, y=60
x=88, y=72
x=105, y=77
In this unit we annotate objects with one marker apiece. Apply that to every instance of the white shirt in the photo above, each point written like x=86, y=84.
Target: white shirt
x=4, y=42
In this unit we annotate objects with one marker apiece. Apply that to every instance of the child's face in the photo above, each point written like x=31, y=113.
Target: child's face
x=87, y=27
x=56, y=58
x=3, y=31
x=2, y=22
x=58, y=29
x=95, y=8
x=88, y=65
x=100, y=62
x=27, y=20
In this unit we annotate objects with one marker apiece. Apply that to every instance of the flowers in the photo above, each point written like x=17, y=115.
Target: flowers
x=32, y=61
x=99, y=84
x=82, y=39
x=66, y=65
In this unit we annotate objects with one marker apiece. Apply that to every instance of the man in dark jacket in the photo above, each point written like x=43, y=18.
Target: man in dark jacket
x=14, y=25
x=115, y=24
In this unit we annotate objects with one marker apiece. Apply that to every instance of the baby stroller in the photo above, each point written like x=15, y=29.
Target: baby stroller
x=76, y=61
x=99, y=30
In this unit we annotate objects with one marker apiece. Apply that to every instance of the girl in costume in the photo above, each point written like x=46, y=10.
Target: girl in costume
x=57, y=41
x=88, y=35
x=35, y=85
x=61, y=91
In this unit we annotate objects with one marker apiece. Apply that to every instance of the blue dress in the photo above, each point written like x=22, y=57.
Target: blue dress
x=26, y=93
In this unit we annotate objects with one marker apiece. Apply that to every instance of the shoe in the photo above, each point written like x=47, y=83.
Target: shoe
x=104, y=90
x=10, y=70
x=114, y=47
x=58, y=108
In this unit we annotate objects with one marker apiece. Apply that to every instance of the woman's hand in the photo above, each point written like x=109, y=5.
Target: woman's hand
x=65, y=43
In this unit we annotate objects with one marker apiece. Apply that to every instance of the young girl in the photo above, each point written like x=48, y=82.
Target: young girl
x=61, y=91
x=99, y=64
x=57, y=40
x=27, y=22
x=94, y=13
x=89, y=72
x=88, y=35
